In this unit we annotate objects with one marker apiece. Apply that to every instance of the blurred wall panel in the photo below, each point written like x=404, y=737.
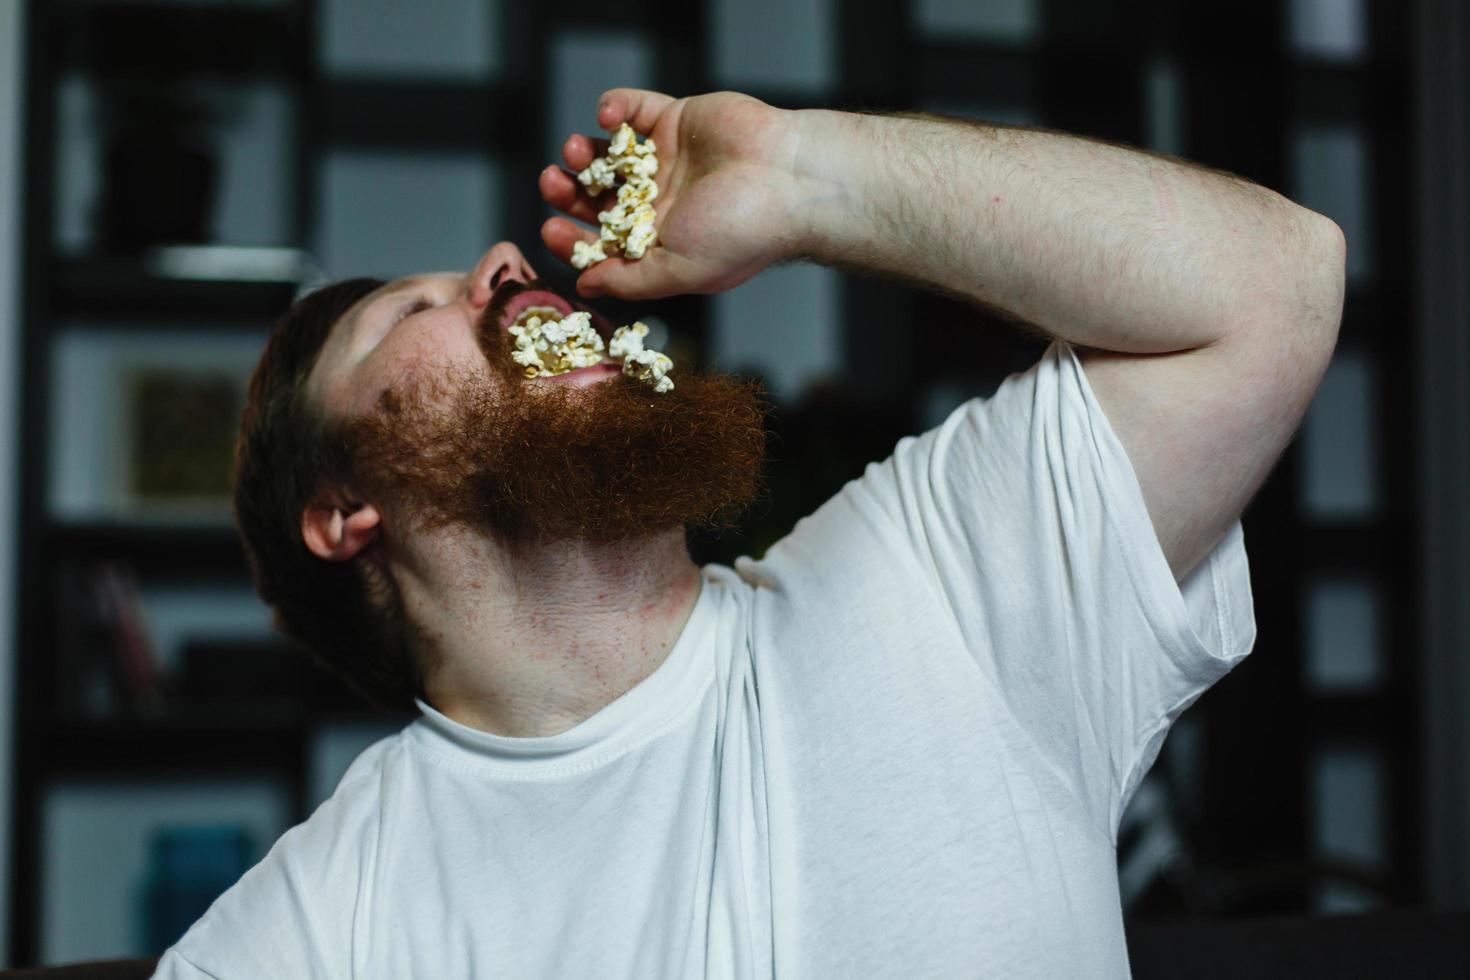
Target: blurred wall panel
x=1006, y=21
x=1163, y=100
x=1348, y=800
x=256, y=164
x=391, y=214
x=584, y=64
x=1343, y=636
x=455, y=40
x=1339, y=456
x=12, y=31
x=774, y=45
x=782, y=325
x=1329, y=29
x=77, y=173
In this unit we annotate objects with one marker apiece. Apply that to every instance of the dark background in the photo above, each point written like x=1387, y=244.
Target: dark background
x=188, y=167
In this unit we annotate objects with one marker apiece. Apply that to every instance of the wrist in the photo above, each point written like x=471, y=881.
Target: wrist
x=827, y=178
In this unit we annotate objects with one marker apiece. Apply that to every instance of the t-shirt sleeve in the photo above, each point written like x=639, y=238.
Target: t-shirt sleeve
x=291, y=915
x=1024, y=512
x=173, y=966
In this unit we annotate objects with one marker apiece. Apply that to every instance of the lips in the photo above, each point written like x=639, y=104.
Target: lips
x=586, y=375
x=532, y=297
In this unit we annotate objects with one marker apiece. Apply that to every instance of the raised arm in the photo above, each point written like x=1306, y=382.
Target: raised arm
x=1208, y=305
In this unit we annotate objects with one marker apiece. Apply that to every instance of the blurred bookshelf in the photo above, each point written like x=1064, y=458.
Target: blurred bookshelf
x=318, y=119
x=150, y=681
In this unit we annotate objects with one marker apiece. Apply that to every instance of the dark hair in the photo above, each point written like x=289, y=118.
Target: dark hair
x=284, y=455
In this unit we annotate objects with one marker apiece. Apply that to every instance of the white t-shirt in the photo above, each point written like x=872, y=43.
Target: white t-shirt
x=899, y=745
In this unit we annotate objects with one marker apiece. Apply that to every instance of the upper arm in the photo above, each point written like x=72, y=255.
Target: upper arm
x=1203, y=427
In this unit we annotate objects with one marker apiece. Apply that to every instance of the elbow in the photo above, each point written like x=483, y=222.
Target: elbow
x=1324, y=285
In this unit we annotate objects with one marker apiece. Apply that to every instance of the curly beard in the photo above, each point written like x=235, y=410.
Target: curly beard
x=519, y=461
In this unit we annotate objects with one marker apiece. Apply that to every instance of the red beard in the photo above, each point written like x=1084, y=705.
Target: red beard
x=518, y=461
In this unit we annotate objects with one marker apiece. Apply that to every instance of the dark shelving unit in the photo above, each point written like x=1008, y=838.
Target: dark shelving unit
x=180, y=741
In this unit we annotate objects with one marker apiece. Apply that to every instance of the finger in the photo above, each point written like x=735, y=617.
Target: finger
x=560, y=235
x=658, y=274
x=578, y=151
x=637, y=107
x=565, y=193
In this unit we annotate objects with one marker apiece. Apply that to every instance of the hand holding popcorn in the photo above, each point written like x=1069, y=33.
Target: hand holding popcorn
x=720, y=209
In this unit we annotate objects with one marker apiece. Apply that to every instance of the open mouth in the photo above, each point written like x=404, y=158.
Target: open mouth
x=552, y=341
x=551, y=337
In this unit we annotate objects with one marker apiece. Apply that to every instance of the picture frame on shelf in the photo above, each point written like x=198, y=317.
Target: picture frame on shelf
x=181, y=427
x=143, y=423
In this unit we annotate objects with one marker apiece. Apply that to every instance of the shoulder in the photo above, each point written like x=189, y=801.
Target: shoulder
x=293, y=910
x=350, y=813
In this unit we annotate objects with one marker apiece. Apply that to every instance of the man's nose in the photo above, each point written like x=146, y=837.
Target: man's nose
x=503, y=263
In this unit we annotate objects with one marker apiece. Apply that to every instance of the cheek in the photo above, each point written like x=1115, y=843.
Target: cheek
x=416, y=355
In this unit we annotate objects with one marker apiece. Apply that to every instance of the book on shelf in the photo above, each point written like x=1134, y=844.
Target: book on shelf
x=107, y=657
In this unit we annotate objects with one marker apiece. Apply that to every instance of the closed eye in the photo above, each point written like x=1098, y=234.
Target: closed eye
x=419, y=305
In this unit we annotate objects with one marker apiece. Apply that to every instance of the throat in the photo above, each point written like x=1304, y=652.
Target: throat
x=539, y=649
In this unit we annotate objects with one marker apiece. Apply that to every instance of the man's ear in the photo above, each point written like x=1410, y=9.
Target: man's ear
x=337, y=529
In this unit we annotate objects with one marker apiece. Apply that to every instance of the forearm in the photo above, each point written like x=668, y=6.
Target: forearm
x=1100, y=245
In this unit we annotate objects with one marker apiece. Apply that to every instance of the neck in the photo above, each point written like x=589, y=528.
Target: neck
x=533, y=641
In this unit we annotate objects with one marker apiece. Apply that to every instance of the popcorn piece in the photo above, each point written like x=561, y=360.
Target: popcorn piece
x=628, y=340
x=600, y=173
x=584, y=255
x=627, y=227
x=643, y=363
x=641, y=237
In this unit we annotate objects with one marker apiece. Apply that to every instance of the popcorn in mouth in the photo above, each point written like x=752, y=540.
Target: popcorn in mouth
x=549, y=343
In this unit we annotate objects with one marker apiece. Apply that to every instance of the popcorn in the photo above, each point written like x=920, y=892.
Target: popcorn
x=548, y=343
x=643, y=363
x=627, y=341
x=600, y=174
x=584, y=255
x=555, y=345
x=628, y=225
x=640, y=237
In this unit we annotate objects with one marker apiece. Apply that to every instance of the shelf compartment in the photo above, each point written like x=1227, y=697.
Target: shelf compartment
x=128, y=291
x=152, y=38
x=214, y=548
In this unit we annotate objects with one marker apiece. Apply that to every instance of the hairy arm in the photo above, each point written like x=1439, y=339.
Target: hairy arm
x=1207, y=306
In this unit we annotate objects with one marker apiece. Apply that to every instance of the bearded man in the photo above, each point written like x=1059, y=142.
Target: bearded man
x=898, y=744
